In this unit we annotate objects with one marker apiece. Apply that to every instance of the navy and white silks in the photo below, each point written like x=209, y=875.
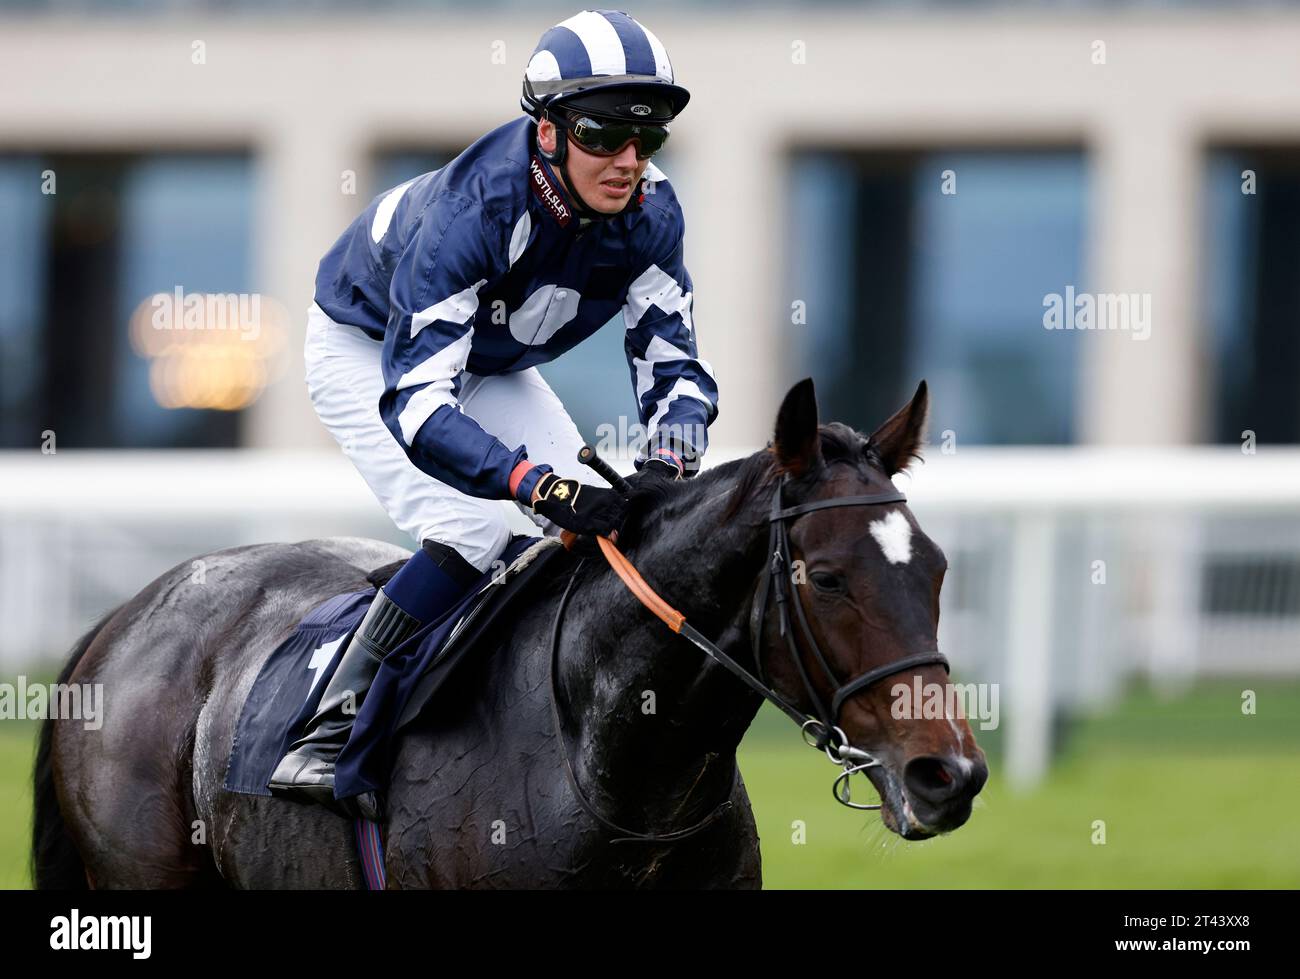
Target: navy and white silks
x=434, y=308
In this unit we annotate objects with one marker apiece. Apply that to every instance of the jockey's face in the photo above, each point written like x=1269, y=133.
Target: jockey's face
x=605, y=182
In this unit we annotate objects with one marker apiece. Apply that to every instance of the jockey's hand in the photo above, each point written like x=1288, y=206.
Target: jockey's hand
x=655, y=470
x=578, y=507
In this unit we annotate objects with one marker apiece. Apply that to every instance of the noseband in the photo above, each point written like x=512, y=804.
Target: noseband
x=821, y=731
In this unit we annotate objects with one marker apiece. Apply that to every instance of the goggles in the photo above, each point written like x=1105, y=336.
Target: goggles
x=607, y=137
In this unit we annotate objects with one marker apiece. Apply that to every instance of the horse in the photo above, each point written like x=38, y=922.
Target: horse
x=557, y=733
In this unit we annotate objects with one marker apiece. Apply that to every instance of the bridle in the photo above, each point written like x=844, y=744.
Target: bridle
x=776, y=585
x=821, y=731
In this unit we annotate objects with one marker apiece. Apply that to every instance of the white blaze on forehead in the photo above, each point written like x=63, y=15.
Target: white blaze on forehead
x=894, y=535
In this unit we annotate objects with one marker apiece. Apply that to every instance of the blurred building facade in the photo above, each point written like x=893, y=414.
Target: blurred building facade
x=872, y=197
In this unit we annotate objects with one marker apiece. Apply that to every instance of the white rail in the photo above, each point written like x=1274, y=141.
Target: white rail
x=1071, y=569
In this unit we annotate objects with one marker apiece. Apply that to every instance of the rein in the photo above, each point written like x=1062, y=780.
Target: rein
x=823, y=728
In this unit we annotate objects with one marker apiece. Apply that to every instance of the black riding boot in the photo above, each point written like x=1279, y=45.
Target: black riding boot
x=428, y=585
x=306, y=773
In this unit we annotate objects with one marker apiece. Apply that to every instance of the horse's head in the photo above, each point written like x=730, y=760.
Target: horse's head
x=868, y=580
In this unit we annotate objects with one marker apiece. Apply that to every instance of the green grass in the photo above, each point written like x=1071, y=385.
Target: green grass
x=1192, y=793
x=1212, y=822
x=17, y=752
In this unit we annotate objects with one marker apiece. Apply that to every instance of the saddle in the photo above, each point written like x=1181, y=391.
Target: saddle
x=501, y=592
x=284, y=696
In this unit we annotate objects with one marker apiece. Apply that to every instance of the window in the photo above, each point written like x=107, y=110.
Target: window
x=395, y=166
x=1252, y=253
x=77, y=262
x=899, y=281
x=24, y=237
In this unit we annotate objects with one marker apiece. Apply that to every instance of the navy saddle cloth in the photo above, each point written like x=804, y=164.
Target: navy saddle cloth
x=289, y=685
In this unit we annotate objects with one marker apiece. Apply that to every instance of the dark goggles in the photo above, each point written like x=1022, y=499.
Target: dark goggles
x=606, y=137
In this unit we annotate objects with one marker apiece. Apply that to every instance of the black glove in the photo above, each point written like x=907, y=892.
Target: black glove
x=578, y=507
x=655, y=470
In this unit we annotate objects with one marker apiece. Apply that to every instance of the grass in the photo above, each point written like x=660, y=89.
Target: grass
x=1169, y=823
x=1192, y=793
x=17, y=752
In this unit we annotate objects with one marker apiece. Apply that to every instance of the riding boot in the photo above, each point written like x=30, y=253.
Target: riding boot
x=422, y=590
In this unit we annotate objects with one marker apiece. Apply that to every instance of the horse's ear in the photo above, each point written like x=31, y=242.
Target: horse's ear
x=796, y=442
x=899, y=440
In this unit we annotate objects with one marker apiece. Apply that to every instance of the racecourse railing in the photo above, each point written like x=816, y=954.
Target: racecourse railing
x=1072, y=570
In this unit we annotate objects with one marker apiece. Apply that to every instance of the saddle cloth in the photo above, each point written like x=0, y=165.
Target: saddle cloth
x=285, y=694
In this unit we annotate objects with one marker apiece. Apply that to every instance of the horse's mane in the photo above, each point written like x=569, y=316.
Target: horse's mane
x=839, y=443
x=657, y=502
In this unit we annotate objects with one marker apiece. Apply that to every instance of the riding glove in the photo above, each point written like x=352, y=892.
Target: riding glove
x=578, y=507
x=655, y=470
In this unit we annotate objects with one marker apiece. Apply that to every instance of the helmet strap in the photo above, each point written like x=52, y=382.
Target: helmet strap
x=558, y=155
x=581, y=206
x=559, y=158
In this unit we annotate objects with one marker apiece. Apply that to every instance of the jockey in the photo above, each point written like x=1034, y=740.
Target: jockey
x=435, y=307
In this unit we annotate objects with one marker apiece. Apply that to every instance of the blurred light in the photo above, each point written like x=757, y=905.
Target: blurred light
x=209, y=350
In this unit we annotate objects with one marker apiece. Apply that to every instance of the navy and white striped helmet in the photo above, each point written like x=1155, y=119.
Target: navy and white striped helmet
x=603, y=50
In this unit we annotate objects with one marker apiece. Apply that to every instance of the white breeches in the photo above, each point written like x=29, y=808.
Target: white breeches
x=345, y=381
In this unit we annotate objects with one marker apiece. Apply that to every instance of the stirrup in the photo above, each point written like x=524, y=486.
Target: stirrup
x=306, y=772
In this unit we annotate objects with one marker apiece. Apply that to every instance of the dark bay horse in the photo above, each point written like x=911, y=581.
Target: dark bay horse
x=479, y=797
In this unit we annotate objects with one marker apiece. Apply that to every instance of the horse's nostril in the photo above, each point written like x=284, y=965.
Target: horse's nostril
x=933, y=779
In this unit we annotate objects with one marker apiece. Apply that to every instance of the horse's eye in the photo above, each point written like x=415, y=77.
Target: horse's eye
x=824, y=581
